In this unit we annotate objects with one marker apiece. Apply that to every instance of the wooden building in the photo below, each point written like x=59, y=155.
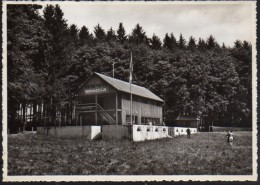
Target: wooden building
x=187, y=121
x=103, y=100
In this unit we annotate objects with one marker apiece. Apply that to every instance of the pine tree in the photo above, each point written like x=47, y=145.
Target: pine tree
x=192, y=44
x=121, y=34
x=211, y=43
x=85, y=37
x=54, y=21
x=173, y=41
x=138, y=35
x=74, y=33
x=111, y=35
x=25, y=59
x=155, y=42
x=242, y=52
x=247, y=45
x=57, y=26
x=202, y=44
x=182, y=42
x=238, y=44
x=99, y=32
x=169, y=42
x=59, y=58
x=223, y=46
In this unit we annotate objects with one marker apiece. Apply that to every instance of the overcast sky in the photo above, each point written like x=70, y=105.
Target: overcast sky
x=226, y=22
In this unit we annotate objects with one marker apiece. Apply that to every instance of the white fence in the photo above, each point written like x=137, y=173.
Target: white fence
x=146, y=132
x=136, y=133
x=183, y=131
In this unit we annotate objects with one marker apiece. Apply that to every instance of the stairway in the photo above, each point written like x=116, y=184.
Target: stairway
x=92, y=107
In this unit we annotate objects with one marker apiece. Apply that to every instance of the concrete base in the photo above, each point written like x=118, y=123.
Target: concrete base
x=134, y=132
x=117, y=132
x=70, y=131
x=130, y=132
x=146, y=132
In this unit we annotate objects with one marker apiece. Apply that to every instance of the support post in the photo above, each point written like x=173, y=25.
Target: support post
x=76, y=119
x=73, y=111
x=96, y=101
x=80, y=120
x=76, y=113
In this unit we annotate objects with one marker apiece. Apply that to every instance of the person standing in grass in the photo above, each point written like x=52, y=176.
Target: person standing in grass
x=188, y=133
x=230, y=137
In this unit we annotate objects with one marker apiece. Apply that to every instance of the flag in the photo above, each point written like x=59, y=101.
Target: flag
x=131, y=69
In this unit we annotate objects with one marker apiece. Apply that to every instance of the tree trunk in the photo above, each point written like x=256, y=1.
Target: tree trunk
x=44, y=115
x=12, y=125
x=24, y=116
x=35, y=117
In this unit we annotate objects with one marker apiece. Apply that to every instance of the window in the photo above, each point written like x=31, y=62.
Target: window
x=142, y=120
x=148, y=120
x=134, y=119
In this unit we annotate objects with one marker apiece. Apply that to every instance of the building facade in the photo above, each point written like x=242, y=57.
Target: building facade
x=103, y=100
x=187, y=121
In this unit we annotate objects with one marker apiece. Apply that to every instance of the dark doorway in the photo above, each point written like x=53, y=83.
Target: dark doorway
x=88, y=118
x=101, y=101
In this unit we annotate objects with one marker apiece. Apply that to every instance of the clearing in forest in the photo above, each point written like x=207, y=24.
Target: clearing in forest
x=203, y=154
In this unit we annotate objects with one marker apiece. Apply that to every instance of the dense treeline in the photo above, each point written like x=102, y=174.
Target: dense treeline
x=48, y=59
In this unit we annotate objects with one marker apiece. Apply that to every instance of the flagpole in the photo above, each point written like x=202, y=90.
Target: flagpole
x=131, y=97
x=131, y=109
x=113, y=69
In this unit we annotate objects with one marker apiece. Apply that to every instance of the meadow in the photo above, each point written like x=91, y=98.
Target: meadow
x=203, y=154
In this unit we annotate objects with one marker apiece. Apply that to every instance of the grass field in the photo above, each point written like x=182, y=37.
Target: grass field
x=203, y=154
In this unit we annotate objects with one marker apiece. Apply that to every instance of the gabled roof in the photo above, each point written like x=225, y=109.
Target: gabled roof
x=125, y=87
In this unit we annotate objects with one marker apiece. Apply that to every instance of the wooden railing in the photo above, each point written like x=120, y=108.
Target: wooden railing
x=94, y=106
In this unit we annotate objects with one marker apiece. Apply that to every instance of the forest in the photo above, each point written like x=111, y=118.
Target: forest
x=47, y=60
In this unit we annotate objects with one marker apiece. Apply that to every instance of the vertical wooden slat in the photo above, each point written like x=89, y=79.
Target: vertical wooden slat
x=143, y=109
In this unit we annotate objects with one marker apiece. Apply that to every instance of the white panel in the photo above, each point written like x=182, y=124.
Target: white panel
x=141, y=133
x=182, y=131
x=95, y=130
x=150, y=133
